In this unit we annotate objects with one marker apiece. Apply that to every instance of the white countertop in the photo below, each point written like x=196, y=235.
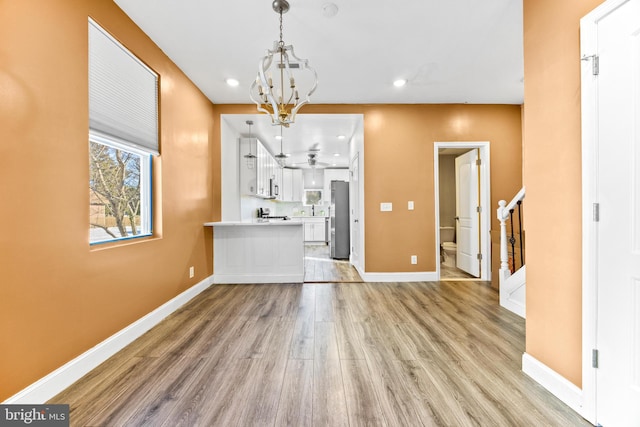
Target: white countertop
x=251, y=224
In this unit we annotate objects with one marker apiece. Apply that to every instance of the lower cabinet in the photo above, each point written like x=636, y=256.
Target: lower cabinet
x=314, y=230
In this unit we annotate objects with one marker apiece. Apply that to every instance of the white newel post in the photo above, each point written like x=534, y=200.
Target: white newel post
x=504, y=255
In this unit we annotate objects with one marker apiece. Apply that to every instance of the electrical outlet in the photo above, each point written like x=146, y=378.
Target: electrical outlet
x=192, y=272
x=414, y=259
x=386, y=207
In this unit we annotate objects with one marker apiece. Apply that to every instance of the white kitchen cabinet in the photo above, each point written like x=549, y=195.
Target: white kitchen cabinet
x=291, y=185
x=314, y=229
x=256, y=181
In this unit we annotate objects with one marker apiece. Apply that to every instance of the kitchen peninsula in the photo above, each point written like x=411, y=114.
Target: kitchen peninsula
x=258, y=252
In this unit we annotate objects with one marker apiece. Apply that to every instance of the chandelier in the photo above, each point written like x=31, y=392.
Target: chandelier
x=275, y=90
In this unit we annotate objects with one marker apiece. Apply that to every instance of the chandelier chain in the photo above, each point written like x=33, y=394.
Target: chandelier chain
x=281, y=41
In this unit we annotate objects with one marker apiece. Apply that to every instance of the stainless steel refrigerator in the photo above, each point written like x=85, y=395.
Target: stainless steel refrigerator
x=339, y=243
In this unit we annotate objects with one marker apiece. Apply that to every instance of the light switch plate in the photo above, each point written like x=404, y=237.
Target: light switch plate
x=410, y=205
x=386, y=207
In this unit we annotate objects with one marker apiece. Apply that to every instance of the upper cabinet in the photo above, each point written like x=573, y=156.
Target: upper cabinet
x=260, y=176
x=291, y=185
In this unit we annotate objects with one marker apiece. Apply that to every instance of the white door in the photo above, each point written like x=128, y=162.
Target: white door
x=618, y=229
x=467, y=215
x=354, y=205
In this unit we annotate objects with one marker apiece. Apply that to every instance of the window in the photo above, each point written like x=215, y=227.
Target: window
x=120, y=193
x=123, y=137
x=312, y=197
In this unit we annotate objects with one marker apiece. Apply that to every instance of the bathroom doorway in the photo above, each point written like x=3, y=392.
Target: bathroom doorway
x=462, y=213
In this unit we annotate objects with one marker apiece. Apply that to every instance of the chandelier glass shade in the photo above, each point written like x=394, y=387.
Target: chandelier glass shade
x=276, y=90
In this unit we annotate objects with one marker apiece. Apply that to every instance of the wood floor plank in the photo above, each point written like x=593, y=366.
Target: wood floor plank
x=324, y=302
x=439, y=406
x=165, y=380
x=303, y=341
x=348, y=339
x=326, y=343
x=320, y=268
x=383, y=340
x=327, y=354
x=396, y=403
x=295, y=407
x=329, y=401
x=362, y=403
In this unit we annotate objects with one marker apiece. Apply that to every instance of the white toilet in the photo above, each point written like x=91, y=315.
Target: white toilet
x=448, y=246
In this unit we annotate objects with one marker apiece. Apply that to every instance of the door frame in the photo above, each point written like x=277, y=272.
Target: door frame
x=485, y=201
x=356, y=260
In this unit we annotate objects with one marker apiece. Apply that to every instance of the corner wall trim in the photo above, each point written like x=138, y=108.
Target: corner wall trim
x=55, y=382
x=555, y=383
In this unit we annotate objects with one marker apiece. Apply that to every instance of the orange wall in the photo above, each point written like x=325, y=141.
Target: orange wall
x=398, y=165
x=552, y=175
x=59, y=296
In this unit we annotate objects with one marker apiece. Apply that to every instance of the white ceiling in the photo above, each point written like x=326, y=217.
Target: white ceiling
x=452, y=51
x=317, y=133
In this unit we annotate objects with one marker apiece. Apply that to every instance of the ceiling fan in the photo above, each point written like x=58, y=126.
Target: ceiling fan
x=312, y=160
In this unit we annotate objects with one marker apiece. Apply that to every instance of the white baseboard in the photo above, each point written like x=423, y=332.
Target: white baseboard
x=421, y=276
x=559, y=386
x=257, y=278
x=55, y=382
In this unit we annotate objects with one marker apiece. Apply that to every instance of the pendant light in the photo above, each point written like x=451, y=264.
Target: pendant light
x=281, y=158
x=250, y=158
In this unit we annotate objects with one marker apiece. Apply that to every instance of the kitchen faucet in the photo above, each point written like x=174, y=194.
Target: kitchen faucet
x=313, y=210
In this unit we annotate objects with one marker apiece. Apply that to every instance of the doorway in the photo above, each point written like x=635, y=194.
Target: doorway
x=462, y=210
x=610, y=35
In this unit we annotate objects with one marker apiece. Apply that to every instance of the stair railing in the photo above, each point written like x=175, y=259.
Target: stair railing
x=505, y=213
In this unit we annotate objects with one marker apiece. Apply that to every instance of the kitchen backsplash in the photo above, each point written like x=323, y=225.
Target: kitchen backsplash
x=293, y=208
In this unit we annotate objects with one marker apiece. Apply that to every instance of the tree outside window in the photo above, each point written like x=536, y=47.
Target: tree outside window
x=115, y=193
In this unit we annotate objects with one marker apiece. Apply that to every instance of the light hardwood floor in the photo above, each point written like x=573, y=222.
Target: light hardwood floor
x=348, y=354
x=319, y=267
x=447, y=273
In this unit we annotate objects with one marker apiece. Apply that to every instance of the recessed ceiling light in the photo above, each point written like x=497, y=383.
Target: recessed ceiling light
x=232, y=82
x=400, y=83
x=336, y=154
x=278, y=136
x=341, y=137
x=329, y=10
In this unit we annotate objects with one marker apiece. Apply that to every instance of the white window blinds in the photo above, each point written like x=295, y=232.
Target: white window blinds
x=123, y=94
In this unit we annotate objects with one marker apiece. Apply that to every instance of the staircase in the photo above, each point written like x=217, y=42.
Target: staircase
x=512, y=273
